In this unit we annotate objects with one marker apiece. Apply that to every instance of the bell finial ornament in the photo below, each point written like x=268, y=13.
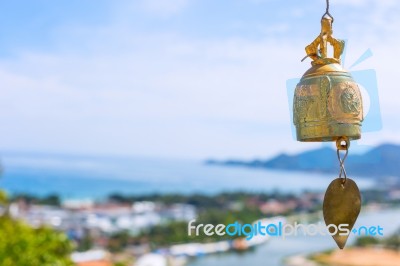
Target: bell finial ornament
x=320, y=56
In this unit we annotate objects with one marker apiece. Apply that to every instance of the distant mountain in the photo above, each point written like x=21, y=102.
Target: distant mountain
x=382, y=161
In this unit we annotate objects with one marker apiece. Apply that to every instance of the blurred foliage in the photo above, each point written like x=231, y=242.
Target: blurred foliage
x=172, y=233
x=23, y=245
x=120, y=264
x=202, y=200
x=393, y=242
x=364, y=241
x=86, y=243
x=3, y=197
x=176, y=232
x=52, y=200
x=222, y=208
x=118, y=241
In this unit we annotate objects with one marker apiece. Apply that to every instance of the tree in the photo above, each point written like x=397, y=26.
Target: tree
x=23, y=245
x=364, y=241
x=393, y=241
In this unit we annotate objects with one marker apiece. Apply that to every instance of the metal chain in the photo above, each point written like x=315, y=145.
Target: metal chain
x=327, y=6
x=342, y=169
x=342, y=147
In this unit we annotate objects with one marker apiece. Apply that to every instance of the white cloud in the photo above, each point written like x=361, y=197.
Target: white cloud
x=223, y=97
x=167, y=94
x=205, y=92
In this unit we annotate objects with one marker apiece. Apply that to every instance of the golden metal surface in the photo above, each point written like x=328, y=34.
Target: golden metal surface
x=342, y=204
x=327, y=102
x=343, y=144
x=318, y=49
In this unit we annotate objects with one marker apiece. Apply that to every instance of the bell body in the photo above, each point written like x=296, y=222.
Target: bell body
x=327, y=104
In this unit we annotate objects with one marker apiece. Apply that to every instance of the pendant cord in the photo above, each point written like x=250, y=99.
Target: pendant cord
x=327, y=11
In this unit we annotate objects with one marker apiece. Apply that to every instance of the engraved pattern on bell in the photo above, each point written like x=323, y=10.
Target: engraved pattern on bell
x=327, y=105
x=350, y=100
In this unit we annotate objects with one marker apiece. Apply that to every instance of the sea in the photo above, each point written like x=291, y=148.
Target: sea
x=91, y=177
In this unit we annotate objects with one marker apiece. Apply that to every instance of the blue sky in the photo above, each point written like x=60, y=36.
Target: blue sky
x=177, y=78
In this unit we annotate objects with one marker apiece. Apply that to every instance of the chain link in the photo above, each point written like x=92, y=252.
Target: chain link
x=342, y=147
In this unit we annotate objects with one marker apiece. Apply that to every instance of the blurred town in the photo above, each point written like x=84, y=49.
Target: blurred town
x=152, y=229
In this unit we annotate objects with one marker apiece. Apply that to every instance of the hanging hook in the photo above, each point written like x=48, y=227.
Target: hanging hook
x=327, y=11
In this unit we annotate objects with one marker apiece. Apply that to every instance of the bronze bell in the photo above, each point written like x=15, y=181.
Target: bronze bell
x=328, y=107
x=327, y=101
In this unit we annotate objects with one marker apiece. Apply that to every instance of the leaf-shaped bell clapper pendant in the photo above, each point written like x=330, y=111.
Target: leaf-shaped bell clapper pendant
x=328, y=107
